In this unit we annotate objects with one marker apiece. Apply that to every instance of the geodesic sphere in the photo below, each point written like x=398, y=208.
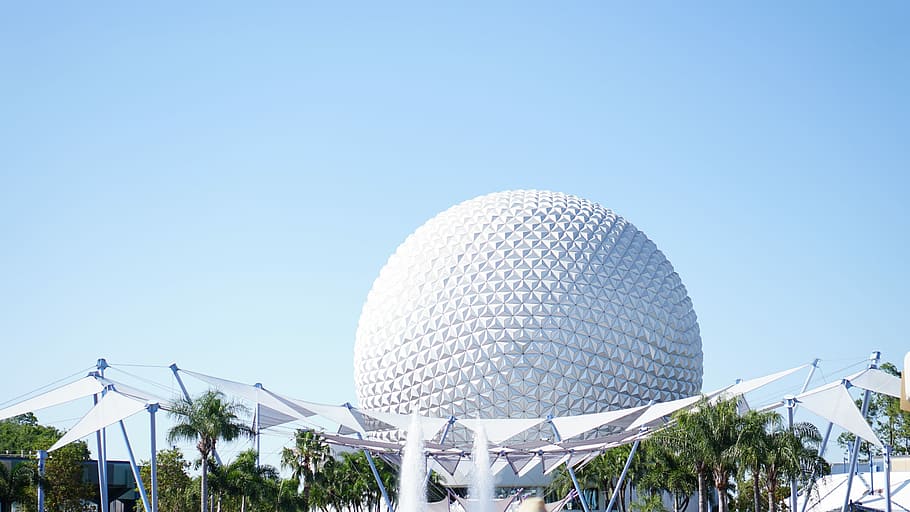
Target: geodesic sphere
x=521, y=304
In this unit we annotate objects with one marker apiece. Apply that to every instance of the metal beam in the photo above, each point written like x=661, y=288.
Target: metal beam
x=581, y=496
x=873, y=363
x=153, y=464
x=135, y=468
x=622, y=476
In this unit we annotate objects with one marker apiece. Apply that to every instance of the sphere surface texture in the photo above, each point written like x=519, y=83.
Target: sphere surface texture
x=521, y=304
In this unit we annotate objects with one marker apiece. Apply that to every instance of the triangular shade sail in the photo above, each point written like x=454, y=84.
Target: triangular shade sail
x=835, y=404
x=658, y=411
x=269, y=417
x=571, y=426
x=429, y=426
x=139, y=394
x=877, y=380
x=112, y=407
x=500, y=429
x=747, y=386
x=278, y=410
x=81, y=388
x=448, y=462
x=553, y=461
x=339, y=414
x=500, y=505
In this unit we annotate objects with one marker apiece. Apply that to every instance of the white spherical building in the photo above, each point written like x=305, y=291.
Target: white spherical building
x=522, y=304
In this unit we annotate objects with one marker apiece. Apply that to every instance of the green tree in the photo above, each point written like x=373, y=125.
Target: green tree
x=174, y=483
x=246, y=480
x=23, y=434
x=791, y=455
x=707, y=435
x=308, y=456
x=206, y=420
x=752, y=448
x=668, y=472
x=64, y=482
x=15, y=482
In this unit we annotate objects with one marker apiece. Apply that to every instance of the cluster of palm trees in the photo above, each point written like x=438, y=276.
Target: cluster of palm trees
x=715, y=452
x=318, y=480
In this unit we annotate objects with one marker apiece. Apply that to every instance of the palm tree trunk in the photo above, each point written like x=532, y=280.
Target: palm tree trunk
x=702, y=498
x=756, y=489
x=204, y=487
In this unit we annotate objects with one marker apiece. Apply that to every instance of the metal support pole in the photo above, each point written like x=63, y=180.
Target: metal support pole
x=791, y=404
x=153, y=463
x=821, y=453
x=42, y=458
x=873, y=363
x=622, y=476
x=257, y=426
x=809, y=377
x=369, y=456
x=445, y=433
x=581, y=496
x=385, y=494
x=174, y=369
x=887, y=478
x=135, y=468
x=100, y=442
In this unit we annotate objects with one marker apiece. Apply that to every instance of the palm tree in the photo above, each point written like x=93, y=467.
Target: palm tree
x=668, y=471
x=707, y=435
x=206, y=420
x=244, y=479
x=789, y=452
x=308, y=455
x=14, y=484
x=752, y=447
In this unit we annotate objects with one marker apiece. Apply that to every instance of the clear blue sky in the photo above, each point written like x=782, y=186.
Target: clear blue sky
x=218, y=184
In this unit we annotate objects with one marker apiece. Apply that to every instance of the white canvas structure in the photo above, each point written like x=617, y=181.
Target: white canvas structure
x=501, y=429
x=112, y=408
x=829, y=492
x=84, y=387
x=571, y=426
x=834, y=403
x=747, y=386
x=874, y=379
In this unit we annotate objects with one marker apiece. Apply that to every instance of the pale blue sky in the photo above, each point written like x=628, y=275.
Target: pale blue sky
x=218, y=185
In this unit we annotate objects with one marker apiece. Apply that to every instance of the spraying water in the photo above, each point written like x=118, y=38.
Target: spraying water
x=412, y=493
x=481, y=490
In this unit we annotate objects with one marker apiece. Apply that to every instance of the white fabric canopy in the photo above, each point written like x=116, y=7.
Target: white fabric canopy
x=429, y=426
x=747, y=386
x=835, y=404
x=500, y=429
x=273, y=411
x=571, y=426
x=658, y=411
x=86, y=386
x=112, y=407
x=829, y=492
x=877, y=380
x=339, y=414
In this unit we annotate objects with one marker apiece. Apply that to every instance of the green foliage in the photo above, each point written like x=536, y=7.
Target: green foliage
x=65, y=484
x=23, y=434
x=15, y=483
x=175, y=487
x=649, y=503
x=207, y=420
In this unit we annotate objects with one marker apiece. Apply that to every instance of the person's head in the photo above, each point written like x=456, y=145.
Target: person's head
x=532, y=505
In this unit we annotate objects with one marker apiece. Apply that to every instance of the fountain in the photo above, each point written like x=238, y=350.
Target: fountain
x=412, y=491
x=481, y=489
